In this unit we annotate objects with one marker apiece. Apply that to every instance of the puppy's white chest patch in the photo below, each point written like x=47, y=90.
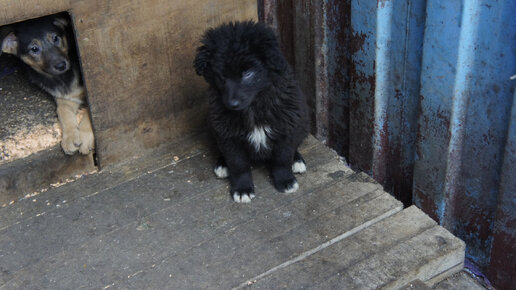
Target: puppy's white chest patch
x=258, y=137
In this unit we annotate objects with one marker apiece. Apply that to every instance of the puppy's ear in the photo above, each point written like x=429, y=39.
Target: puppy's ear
x=60, y=22
x=274, y=60
x=268, y=50
x=201, y=62
x=10, y=44
x=264, y=44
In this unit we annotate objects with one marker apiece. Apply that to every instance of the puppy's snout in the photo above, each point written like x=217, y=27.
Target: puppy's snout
x=233, y=104
x=60, y=66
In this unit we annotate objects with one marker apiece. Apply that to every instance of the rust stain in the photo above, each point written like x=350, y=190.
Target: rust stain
x=397, y=94
x=362, y=120
x=361, y=78
x=399, y=173
x=338, y=25
x=381, y=3
x=445, y=119
x=356, y=42
x=420, y=124
x=503, y=260
x=427, y=204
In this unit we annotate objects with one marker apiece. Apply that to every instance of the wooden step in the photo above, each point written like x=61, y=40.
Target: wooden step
x=168, y=223
x=388, y=255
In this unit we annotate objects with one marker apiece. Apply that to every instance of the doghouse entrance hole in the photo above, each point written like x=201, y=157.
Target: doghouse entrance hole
x=28, y=115
x=31, y=157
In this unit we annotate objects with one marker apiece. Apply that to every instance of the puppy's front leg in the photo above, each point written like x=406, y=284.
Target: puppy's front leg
x=281, y=167
x=239, y=167
x=86, y=133
x=67, y=115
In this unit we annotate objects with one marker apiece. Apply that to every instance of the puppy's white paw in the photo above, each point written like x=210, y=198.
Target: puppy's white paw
x=71, y=141
x=292, y=187
x=242, y=197
x=299, y=167
x=221, y=171
x=87, y=142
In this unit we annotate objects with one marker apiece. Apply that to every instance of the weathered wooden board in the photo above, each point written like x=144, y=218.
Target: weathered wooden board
x=137, y=64
x=40, y=171
x=388, y=255
x=179, y=219
x=168, y=223
x=460, y=280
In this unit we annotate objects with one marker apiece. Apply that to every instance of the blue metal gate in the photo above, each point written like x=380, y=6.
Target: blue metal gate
x=418, y=94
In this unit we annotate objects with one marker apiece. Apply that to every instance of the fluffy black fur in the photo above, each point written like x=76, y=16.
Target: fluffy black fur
x=257, y=111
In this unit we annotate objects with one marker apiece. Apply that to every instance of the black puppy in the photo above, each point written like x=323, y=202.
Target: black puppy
x=257, y=110
x=46, y=47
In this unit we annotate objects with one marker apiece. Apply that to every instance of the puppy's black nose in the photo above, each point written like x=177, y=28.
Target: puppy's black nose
x=233, y=104
x=60, y=66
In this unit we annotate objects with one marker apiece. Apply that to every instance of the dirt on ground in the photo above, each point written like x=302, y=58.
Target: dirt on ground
x=27, y=114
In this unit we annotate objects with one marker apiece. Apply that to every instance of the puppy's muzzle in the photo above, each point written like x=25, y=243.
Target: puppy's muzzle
x=61, y=66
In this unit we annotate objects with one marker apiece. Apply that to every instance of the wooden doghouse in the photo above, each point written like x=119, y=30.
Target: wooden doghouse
x=137, y=59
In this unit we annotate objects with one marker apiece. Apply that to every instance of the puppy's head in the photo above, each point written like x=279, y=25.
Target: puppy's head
x=239, y=60
x=42, y=44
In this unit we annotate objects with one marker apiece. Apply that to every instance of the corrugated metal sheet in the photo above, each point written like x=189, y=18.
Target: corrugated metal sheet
x=466, y=100
x=417, y=94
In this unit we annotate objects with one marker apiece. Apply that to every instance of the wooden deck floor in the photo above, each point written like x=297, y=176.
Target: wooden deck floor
x=165, y=222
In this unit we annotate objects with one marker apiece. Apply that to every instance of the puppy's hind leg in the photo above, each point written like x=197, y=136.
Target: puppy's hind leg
x=86, y=132
x=221, y=169
x=299, y=165
x=67, y=115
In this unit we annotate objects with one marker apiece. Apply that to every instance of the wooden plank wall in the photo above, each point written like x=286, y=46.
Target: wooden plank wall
x=137, y=60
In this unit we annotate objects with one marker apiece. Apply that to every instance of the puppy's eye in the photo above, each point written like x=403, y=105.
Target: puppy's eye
x=34, y=49
x=247, y=75
x=56, y=39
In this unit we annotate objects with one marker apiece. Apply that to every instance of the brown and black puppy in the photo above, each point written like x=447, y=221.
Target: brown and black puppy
x=47, y=48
